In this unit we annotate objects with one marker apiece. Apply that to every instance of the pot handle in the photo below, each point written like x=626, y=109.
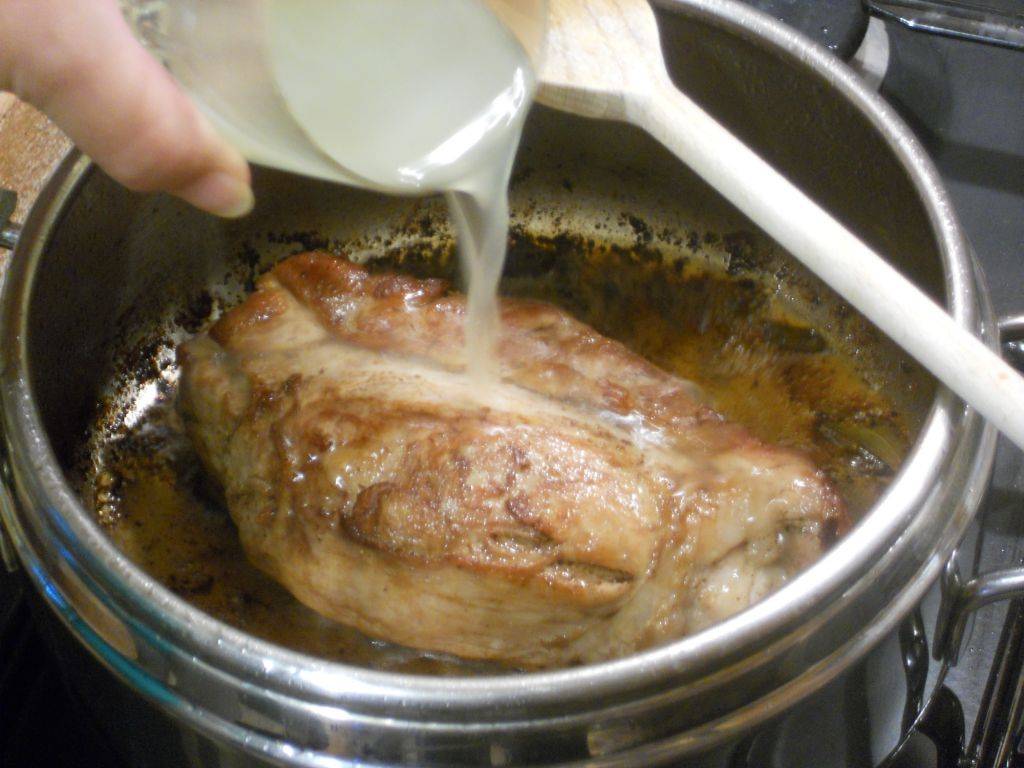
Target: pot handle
x=9, y=231
x=955, y=19
x=961, y=600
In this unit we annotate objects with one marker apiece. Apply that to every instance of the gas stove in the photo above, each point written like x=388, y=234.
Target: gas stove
x=965, y=100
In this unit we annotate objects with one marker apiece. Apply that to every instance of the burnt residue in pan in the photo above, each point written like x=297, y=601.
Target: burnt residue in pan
x=727, y=327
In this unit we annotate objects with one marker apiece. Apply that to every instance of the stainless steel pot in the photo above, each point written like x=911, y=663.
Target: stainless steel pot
x=95, y=264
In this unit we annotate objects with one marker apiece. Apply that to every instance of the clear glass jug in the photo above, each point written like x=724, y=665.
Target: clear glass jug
x=257, y=70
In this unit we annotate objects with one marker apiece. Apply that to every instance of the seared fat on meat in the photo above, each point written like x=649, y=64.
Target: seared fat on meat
x=587, y=506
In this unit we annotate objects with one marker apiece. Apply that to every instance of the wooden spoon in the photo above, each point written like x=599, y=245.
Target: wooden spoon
x=604, y=60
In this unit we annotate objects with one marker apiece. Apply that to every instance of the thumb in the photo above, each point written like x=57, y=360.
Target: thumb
x=79, y=63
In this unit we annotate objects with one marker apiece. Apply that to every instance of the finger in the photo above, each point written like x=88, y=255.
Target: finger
x=78, y=62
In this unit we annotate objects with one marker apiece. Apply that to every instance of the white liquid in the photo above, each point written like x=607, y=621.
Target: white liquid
x=481, y=225
x=418, y=96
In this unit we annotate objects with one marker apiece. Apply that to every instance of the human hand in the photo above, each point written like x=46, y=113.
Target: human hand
x=77, y=61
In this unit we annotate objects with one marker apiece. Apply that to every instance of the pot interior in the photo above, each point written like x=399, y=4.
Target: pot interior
x=605, y=223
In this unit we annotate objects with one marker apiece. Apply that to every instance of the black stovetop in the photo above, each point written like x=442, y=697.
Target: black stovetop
x=966, y=102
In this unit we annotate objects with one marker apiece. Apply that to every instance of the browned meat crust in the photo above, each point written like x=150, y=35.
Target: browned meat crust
x=587, y=506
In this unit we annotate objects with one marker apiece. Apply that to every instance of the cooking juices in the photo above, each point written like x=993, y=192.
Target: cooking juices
x=415, y=97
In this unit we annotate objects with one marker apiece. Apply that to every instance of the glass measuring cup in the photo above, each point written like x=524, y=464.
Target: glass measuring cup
x=367, y=97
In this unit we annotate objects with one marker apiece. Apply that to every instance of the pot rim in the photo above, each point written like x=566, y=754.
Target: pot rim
x=155, y=609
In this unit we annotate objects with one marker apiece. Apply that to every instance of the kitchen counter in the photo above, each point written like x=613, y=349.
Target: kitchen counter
x=30, y=147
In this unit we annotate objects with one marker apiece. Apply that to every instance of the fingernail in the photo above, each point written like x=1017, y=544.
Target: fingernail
x=221, y=194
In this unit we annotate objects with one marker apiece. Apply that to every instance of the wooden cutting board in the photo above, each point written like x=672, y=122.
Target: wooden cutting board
x=30, y=148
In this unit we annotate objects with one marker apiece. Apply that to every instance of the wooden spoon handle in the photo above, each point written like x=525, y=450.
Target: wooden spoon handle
x=901, y=310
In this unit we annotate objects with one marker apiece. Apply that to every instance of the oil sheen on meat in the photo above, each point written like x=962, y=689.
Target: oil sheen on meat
x=587, y=506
